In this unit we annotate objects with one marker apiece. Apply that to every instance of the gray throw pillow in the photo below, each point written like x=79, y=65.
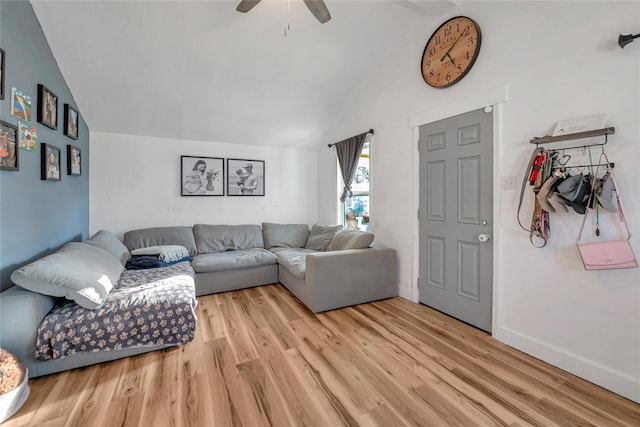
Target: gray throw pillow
x=350, y=239
x=110, y=243
x=321, y=235
x=284, y=235
x=79, y=272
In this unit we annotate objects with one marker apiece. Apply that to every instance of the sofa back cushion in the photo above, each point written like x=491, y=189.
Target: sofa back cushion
x=284, y=235
x=350, y=239
x=219, y=238
x=110, y=243
x=321, y=235
x=79, y=272
x=160, y=236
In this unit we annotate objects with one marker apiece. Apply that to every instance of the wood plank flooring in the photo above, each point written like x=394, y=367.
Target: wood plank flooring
x=260, y=358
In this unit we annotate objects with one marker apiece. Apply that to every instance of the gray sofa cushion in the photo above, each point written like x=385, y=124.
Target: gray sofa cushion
x=294, y=260
x=220, y=238
x=350, y=239
x=232, y=260
x=79, y=272
x=321, y=235
x=284, y=235
x=110, y=243
x=159, y=236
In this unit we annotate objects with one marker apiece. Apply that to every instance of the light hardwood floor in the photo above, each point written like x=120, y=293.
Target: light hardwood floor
x=261, y=358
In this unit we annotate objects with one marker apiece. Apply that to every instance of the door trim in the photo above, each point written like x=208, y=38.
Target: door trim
x=494, y=97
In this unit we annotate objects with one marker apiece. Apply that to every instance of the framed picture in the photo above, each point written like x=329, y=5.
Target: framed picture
x=47, y=107
x=201, y=176
x=20, y=105
x=74, y=167
x=70, y=121
x=245, y=177
x=50, y=162
x=2, y=74
x=8, y=147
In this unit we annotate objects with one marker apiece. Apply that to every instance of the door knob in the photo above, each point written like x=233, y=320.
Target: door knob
x=483, y=237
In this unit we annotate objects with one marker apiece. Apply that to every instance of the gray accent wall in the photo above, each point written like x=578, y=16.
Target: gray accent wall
x=37, y=217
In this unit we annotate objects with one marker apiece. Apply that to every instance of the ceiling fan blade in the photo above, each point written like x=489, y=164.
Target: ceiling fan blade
x=319, y=10
x=246, y=5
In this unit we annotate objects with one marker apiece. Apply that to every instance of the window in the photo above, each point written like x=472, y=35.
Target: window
x=356, y=209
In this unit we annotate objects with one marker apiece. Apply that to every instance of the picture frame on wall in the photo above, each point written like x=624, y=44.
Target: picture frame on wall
x=20, y=104
x=9, y=151
x=50, y=162
x=47, y=107
x=70, y=121
x=201, y=176
x=2, y=61
x=245, y=177
x=74, y=165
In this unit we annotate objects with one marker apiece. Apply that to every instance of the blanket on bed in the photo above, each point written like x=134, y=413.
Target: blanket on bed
x=148, y=307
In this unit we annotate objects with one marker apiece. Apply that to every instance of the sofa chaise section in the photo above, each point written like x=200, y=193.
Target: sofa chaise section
x=335, y=268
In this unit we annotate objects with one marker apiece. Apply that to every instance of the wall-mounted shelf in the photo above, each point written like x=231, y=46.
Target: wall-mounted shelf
x=578, y=135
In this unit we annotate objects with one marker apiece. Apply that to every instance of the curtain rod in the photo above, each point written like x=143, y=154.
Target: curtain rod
x=369, y=131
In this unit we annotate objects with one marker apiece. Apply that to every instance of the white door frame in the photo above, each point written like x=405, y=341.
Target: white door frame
x=491, y=97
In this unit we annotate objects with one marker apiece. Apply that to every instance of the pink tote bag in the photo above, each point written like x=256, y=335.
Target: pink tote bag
x=609, y=254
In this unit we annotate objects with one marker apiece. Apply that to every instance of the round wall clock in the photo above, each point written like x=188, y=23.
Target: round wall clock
x=451, y=52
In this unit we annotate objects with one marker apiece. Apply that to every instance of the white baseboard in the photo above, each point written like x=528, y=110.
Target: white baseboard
x=406, y=293
x=618, y=382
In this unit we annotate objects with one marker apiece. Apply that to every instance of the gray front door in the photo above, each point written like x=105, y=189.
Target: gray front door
x=456, y=199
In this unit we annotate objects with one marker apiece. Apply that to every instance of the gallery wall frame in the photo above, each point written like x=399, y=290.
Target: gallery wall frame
x=70, y=122
x=47, y=107
x=2, y=61
x=50, y=162
x=245, y=177
x=9, y=151
x=74, y=161
x=20, y=104
x=201, y=176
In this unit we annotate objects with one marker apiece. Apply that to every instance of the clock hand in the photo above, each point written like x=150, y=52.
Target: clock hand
x=452, y=61
x=454, y=43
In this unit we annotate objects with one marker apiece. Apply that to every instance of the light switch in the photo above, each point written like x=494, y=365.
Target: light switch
x=507, y=182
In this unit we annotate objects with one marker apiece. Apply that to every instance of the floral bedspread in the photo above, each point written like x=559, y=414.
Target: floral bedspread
x=148, y=307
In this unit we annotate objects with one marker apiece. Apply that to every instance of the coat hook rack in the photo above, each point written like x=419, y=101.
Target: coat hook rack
x=579, y=135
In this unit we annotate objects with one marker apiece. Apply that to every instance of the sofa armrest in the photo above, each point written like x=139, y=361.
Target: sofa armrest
x=21, y=312
x=346, y=277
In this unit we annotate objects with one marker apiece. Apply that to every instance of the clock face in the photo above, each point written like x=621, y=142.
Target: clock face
x=451, y=52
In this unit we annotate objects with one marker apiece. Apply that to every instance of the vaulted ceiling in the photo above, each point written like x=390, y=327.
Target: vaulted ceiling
x=200, y=70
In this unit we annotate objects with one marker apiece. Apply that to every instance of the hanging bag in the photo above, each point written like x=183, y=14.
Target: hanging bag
x=610, y=254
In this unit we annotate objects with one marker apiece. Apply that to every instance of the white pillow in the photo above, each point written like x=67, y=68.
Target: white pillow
x=79, y=272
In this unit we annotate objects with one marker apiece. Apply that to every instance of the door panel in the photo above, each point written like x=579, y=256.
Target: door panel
x=456, y=175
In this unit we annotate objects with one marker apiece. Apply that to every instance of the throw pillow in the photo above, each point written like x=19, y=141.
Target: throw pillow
x=110, y=243
x=79, y=272
x=350, y=239
x=321, y=235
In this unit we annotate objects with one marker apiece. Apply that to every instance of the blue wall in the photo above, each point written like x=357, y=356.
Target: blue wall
x=37, y=217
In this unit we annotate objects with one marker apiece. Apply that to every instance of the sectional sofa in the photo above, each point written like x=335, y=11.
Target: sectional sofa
x=325, y=267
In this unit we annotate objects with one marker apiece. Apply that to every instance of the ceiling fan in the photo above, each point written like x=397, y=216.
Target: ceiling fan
x=317, y=8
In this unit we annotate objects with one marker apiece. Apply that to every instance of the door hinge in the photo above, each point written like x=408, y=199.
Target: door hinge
x=418, y=145
x=418, y=214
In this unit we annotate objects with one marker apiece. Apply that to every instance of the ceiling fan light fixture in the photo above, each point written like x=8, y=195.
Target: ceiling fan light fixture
x=317, y=8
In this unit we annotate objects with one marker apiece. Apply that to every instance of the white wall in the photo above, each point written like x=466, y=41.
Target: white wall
x=559, y=60
x=135, y=183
